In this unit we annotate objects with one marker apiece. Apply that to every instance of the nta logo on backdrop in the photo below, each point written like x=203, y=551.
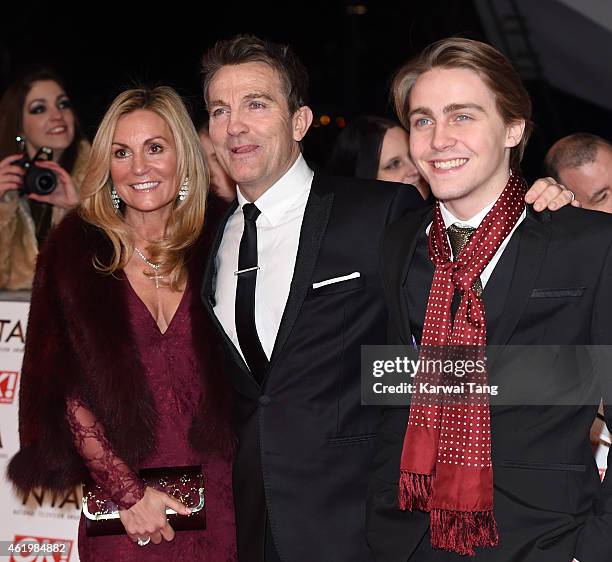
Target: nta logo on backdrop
x=11, y=331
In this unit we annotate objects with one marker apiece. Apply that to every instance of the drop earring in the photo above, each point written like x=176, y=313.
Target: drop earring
x=184, y=191
x=115, y=198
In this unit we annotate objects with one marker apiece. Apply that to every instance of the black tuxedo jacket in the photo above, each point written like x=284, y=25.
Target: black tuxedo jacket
x=305, y=442
x=552, y=286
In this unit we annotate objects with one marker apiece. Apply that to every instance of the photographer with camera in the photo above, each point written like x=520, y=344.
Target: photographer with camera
x=42, y=159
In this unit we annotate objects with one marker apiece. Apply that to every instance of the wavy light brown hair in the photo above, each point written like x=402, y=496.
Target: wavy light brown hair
x=511, y=97
x=187, y=218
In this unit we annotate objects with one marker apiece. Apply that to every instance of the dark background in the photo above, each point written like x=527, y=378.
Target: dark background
x=103, y=48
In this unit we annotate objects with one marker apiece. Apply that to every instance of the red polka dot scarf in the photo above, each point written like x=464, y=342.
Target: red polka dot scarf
x=446, y=460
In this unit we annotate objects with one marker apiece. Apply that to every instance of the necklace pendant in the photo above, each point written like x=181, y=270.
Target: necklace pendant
x=153, y=266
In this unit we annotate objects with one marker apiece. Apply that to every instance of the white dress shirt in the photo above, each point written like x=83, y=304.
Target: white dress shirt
x=278, y=234
x=474, y=222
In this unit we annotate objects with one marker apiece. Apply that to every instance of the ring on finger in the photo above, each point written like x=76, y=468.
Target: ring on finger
x=571, y=193
x=143, y=542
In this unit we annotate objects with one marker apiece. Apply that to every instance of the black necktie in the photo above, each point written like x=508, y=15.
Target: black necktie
x=245, y=296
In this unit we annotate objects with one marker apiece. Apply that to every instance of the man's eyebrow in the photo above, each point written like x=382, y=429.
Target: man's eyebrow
x=255, y=95
x=420, y=111
x=459, y=106
x=447, y=109
x=247, y=97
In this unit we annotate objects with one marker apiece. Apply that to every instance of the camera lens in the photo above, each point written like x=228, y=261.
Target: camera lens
x=39, y=181
x=45, y=183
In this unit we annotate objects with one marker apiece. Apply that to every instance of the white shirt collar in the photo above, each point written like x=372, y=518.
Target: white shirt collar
x=280, y=197
x=450, y=219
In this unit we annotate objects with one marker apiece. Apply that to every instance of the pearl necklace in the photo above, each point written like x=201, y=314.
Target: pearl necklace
x=153, y=266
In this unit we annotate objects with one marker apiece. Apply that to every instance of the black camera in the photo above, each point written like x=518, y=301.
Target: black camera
x=36, y=180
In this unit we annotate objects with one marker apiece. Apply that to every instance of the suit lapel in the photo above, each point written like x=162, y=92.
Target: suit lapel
x=496, y=290
x=399, y=257
x=532, y=247
x=210, y=271
x=314, y=225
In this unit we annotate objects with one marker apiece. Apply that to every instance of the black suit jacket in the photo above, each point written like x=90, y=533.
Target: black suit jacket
x=552, y=286
x=305, y=442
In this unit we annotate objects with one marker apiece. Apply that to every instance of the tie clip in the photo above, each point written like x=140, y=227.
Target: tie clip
x=245, y=270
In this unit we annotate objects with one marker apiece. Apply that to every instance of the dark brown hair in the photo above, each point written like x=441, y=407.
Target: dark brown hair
x=358, y=147
x=249, y=48
x=511, y=98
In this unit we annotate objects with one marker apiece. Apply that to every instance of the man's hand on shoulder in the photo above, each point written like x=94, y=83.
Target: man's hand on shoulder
x=546, y=193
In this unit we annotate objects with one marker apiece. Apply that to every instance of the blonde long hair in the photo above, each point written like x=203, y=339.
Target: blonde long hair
x=187, y=218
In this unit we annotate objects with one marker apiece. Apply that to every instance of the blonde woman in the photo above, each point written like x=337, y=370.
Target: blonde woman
x=119, y=373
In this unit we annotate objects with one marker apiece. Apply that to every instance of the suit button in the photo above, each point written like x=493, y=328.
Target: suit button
x=264, y=400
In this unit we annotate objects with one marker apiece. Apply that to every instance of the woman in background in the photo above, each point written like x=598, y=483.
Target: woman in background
x=372, y=147
x=37, y=108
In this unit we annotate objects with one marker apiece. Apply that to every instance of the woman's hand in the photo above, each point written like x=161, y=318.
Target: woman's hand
x=147, y=518
x=11, y=175
x=65, y=194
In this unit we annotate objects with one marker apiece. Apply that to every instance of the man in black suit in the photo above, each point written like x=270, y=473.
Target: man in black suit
x=539, y=279
x=293, y=287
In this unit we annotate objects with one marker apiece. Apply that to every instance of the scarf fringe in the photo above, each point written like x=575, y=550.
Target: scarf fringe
x=414, y=491
x=461, y=531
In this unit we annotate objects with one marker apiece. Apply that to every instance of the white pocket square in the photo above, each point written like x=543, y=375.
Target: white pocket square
x=353, y=275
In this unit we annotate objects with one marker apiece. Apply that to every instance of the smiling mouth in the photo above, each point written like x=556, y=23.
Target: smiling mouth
x=144, y=186
x=449, y=164
x=60, y=129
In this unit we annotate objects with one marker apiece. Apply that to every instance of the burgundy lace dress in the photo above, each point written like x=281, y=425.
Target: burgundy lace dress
x=172, y=373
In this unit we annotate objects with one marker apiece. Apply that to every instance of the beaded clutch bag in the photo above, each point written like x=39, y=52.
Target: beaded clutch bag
x=185, y=483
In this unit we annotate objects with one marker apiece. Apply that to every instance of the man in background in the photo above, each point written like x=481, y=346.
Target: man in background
x=583, y=163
